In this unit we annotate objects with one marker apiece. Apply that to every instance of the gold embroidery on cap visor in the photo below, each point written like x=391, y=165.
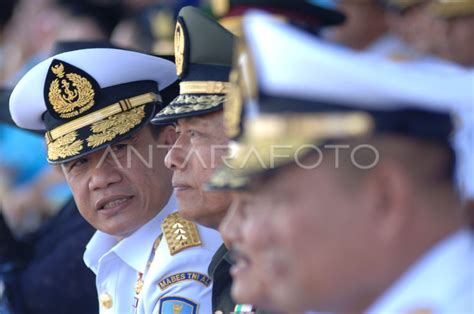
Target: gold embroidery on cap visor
x=70, y=94
x=190, y=103
x=65, y=146
x=211, y=94
x=271, y=141
x=179, y=48
x=452, y=8
x=119, y=124
x=105, y=125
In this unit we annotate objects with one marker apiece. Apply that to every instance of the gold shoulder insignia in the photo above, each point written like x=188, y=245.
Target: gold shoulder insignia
x=179, y=233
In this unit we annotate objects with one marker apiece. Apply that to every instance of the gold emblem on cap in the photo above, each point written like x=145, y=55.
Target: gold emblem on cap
x=243, y=79
x=105, y=300
x=179, y=48
x=70, y=94
x=180, y=233
x=233, y=108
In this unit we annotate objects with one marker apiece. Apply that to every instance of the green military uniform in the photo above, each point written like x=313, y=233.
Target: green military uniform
x=219, y=272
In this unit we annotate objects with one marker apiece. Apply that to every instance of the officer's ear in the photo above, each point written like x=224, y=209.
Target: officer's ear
x=168, y=135
x=389, y=193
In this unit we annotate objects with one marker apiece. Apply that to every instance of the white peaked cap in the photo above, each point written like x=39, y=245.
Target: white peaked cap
x=107, y=66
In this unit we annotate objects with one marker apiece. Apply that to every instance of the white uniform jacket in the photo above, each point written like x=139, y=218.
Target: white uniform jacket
x=442, y=281
x=176, y=279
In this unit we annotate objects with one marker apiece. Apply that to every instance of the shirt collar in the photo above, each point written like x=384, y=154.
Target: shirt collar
x=131, y=249
x=445, y=265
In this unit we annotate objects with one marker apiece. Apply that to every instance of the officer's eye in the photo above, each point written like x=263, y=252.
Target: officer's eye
x=177, y=129
x=75, y=164
x=119, y=147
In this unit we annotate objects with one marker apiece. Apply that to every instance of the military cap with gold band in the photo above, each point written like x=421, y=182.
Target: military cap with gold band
x=304, y=13
x=203, y=53
x=452, y=8
x=325, y=94
x=88, y=99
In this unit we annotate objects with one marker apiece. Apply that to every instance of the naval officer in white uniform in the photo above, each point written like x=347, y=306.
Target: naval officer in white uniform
x=95, y=105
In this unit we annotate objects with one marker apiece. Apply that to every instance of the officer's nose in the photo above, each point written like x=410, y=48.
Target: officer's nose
x=230, y=225
x=105, y=171
x=175, y=158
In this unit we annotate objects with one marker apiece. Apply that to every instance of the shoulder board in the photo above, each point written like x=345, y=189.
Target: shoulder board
x=180, y=233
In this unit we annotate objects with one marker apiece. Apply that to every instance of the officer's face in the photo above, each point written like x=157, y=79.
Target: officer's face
x=198, y=151
x=250, y=285
x=119, y=189
x=300, y=233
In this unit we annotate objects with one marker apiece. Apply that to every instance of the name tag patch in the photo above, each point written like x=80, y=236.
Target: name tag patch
x=178, y=277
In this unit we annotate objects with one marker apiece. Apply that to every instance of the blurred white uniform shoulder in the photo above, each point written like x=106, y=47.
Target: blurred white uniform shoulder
x=440, y=282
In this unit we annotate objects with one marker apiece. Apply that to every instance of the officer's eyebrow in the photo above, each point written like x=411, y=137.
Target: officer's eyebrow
x=128, y=140
x=198, y=121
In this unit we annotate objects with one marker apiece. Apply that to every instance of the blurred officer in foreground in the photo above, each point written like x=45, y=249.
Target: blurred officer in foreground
x=348, y=200
x=95, y=105
x=204, y=52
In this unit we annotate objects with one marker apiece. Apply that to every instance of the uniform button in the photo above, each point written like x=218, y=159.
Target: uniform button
x=105, y=300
